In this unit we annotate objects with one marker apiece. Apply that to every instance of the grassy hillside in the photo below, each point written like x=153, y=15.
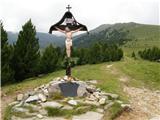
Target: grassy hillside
x=139, y=72
x=110, y=77
x=141, y=35
x=145, y=36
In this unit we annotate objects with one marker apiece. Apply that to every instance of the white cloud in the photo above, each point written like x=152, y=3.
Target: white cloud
x=44, y=13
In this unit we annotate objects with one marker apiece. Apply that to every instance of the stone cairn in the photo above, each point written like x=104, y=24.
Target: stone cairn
x=70, y=94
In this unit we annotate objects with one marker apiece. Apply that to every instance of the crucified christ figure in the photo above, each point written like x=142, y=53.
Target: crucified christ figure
x=68, y=41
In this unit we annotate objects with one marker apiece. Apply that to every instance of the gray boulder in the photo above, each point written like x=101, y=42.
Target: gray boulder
x=52, y=104
x=32, y=98
x=89, y=116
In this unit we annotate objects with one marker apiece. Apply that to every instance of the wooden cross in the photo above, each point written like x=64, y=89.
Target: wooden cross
x=68, y=7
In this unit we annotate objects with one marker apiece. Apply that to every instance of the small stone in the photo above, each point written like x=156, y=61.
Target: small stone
x=54, y=89
x=72, y=102
x=92, y=81
x=81, y=91
x=39, y=116
x=58, y=78
x=65, y=77
x=99, y=110
x=92, y=98
x=91, y=89
x=45, y=91
x=108, y=105
x=42, y=97
x=125, y=105
x=19, y=109
x=89, y=116
x=32, y=98
x=13, y=103
x=113, y=96
x=20, y=97
x=42, y=86
x=67, y=107
x=82, y=108
x=92, y=102
x=102, y=101
x=52, y=104
x=96, y=94
x=43, y=112
x=118, y=101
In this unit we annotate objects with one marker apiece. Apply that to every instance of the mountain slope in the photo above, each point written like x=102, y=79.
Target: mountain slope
x=136, y=35
x=44, y=39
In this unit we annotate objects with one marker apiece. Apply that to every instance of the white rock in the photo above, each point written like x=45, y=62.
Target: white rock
x=65, y=77
x=96, y=94
x=91, y=102
x=54, y=118
x=125, y=105
x=42, y=97
x=19, y=109
x=72, y=102
x=81, y=91
x=32, y=98
x=52, y=104
x=58, y=78
x=118, y=101
x=108, y=105
x=89, y=116
x=102, y=101
x=114, y=96
x=20, y=97
x=43, y=112
x=39, y=116
x=92, y=81
x=91, y=98
x=99, y=110
x=45, y=91
x=67, y=107
x=13, y=103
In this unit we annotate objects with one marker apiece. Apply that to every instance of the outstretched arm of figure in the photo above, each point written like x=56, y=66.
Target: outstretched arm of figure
x=60, y=30
x=77, y=30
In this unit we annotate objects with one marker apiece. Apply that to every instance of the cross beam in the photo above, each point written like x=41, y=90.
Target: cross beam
x=68, y=7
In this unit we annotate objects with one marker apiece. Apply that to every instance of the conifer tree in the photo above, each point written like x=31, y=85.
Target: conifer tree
x=7, y=73
x=26, y=53
x=49, y=59
x=133, y=55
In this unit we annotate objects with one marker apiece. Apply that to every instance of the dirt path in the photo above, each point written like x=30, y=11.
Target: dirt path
x=145, y=103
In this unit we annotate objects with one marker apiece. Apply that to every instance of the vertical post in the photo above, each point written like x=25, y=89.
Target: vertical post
x=68, y=68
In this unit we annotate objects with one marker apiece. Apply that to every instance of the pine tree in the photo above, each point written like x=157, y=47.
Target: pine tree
x=133, y=55
x=7, y=73
x=152, y=54
x=49, y=59
x=26, y=53
x=95, y=54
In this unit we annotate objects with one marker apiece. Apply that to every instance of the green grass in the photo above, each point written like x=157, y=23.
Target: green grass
x=140, y=73
x=115, y=110
x=143, y=36
x=143, y=73
x=31, y=83
x=8, y=115
x=68, y=113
